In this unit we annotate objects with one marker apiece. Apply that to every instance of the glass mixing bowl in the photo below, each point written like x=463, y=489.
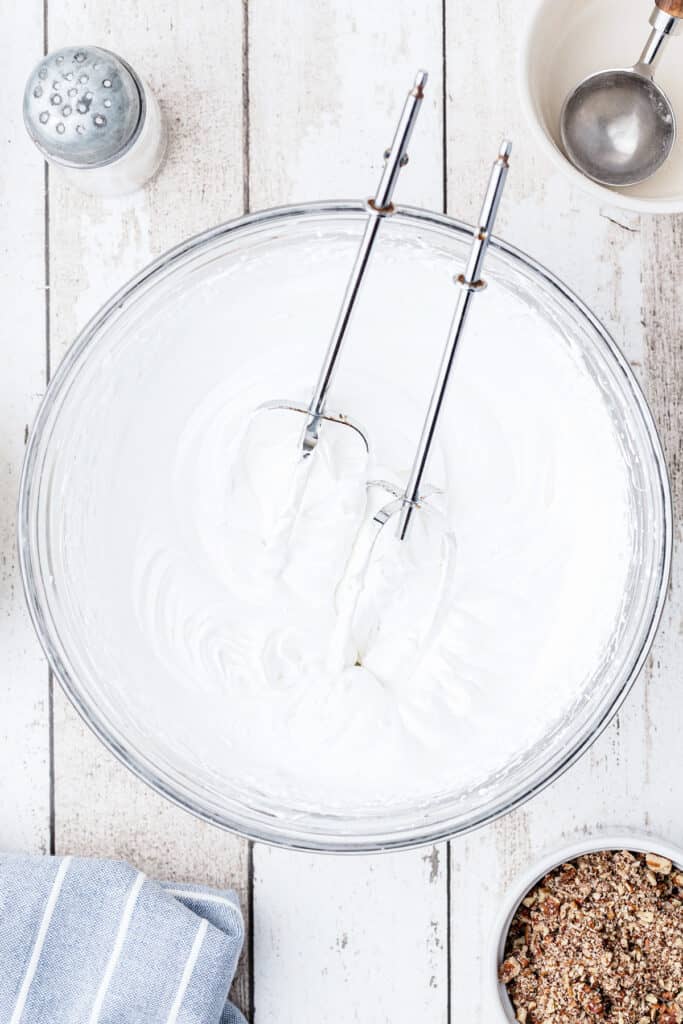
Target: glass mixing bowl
x=86, y=412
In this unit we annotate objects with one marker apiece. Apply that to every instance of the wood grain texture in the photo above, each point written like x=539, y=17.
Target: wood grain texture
x=662, y=241
x=350, y=938
x=192, y=57
x=662, y=254
x=337, y=938
x=24, y=703
x=326, y=85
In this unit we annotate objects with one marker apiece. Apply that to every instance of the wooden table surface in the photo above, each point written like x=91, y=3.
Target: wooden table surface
x=268, y=104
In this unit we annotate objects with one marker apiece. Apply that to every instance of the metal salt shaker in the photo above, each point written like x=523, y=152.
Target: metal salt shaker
x=89, y=113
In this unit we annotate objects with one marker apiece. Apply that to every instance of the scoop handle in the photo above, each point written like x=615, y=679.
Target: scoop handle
x=666, y=20
x=671, y=7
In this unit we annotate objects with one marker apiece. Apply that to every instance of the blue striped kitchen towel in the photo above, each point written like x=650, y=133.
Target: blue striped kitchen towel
x=96, y=942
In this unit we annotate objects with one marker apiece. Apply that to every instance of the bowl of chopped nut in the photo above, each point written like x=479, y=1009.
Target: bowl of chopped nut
x=595, y=932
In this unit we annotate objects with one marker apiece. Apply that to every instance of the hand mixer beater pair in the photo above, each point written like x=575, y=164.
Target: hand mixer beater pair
x=470, y=282
x=317, y=417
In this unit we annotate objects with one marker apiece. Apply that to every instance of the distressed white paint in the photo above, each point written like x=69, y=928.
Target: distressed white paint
x=24, y=710
x=350, y=939
x=326, y=84
x=335, y=939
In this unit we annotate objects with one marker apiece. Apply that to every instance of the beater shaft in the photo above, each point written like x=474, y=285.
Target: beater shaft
x=395, y=158
x=470, y=283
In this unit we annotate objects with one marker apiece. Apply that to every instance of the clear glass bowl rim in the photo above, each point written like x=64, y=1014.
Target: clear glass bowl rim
x=275, y=833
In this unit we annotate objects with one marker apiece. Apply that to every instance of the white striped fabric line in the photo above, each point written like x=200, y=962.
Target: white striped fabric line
x=187, y=972
x=40, y=941
x=117, y=947
x=201, y=897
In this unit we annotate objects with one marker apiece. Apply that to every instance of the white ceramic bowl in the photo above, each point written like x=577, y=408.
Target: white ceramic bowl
x=565, y=40
x=637, y=842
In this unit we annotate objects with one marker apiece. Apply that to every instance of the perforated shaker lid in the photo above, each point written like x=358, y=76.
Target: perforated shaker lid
x=83, y=106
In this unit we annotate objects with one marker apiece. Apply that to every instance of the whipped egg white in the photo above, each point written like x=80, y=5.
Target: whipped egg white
x=220, y=596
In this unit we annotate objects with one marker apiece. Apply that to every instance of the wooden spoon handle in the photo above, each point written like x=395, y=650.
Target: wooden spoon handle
x=672, y=7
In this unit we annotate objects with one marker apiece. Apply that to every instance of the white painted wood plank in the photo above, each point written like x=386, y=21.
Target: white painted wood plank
x=336, y=938
x=192, y=56
x=662, y=262
x=350, y=939
x=326, y=85
x=599, y=251
x=594, y=248
x=24, y=710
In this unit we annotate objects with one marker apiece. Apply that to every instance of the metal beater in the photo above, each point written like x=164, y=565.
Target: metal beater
x=276, y=492
x=379, y=207
x=414, y=498
x=470, y=283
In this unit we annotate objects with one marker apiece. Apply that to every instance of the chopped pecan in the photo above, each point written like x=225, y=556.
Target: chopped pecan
x=509, y=969
x=660, y=865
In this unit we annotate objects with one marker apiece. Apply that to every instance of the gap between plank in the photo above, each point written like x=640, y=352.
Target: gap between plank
x=448, y=933
x=246, y=127
x=444, y=109
x=246, y=202
x=52, y=837
x=444, y=156
x=250, y=944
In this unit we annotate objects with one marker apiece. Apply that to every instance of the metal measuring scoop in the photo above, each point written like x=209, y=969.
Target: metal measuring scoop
x=617, y=126
x=433, y=571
